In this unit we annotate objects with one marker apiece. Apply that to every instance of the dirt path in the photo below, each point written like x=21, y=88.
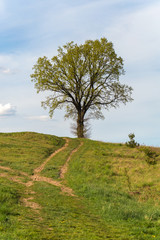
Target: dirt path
x=41, y=167
x=64, y=169
x=36, y=177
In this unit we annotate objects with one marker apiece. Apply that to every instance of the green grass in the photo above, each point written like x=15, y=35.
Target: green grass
x=119, y=186
x=69, y=217
x=117, y=192
x=26, y=151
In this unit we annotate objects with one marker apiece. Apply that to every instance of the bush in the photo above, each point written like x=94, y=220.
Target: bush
x=132, y=143
x=150, y=155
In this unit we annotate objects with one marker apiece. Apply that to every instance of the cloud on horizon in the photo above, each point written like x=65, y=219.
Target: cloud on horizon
x=7, y=110
x=5, y=70
x=40, y=118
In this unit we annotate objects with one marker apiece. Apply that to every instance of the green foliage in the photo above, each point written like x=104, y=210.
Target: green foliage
x=83, y=79
x=132, y=143
x=150, y=155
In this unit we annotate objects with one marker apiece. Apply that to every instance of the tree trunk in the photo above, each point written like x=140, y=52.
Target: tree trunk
x=80, y=125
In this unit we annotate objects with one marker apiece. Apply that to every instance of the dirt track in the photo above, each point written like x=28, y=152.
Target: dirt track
x=36, y=177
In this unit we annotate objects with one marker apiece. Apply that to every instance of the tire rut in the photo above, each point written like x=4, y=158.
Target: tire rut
x=64, y=168
x=36, y=177
x=41, y=167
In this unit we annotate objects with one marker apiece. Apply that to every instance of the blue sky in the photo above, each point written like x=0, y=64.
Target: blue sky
x=31, y=29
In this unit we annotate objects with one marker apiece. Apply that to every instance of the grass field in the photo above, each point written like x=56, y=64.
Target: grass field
x=109, y=191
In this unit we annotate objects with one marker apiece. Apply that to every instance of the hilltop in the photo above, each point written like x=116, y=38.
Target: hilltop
x=63, y=189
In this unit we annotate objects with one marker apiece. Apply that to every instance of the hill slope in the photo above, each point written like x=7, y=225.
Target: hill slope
x=62, y=189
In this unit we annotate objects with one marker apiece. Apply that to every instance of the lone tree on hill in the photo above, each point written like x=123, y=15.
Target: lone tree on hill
x=84, y=79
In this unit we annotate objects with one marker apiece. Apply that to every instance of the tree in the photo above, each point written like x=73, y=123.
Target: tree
x=84, y=79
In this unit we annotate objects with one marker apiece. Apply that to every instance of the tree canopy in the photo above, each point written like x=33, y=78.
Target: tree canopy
x=84, y=79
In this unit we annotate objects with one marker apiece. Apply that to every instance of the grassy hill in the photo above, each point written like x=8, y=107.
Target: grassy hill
x=104, y=191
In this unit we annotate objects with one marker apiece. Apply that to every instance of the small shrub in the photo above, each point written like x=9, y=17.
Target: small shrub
x=132, y=143
x=150, y=155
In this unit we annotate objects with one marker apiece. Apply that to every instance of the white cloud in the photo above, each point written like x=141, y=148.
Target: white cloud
x=7, y=110
x=5, y=70
x=40, y=118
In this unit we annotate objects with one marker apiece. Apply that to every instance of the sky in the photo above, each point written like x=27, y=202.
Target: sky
x=32, y=29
